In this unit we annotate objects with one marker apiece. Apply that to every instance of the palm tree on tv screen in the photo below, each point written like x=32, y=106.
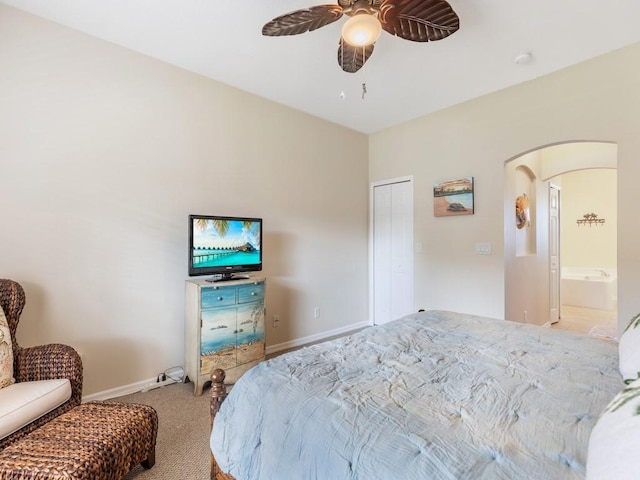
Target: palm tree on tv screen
x=254, y=230
x=221, y=226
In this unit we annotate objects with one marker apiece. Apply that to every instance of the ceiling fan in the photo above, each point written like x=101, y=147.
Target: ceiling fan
x=415, y=20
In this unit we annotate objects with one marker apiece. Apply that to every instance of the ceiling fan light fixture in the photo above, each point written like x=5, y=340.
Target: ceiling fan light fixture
x=361, y=30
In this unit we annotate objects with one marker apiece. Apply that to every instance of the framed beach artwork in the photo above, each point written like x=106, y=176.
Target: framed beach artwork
x=453, y=197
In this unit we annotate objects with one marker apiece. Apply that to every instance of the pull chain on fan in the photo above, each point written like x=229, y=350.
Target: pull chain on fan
x=415, y=20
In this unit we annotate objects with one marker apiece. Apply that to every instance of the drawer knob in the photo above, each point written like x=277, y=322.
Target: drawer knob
x=220, y=298
x=253, y=293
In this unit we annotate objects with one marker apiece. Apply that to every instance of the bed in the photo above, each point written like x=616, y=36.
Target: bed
x=434, y=395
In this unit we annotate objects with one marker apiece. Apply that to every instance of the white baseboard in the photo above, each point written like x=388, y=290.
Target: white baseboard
x=119, y=391
x=139, y=386
x=315, y=338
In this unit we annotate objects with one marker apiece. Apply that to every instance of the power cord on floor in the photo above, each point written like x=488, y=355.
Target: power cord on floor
x=174, y=373
x=169, y=376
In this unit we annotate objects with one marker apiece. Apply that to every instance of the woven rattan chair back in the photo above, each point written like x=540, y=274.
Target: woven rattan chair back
x=12, y=300
x=41, y=362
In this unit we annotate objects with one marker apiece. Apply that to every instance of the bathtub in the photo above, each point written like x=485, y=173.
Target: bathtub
x=589, y=287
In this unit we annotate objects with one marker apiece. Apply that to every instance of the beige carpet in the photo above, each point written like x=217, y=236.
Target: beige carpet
x=182, y=448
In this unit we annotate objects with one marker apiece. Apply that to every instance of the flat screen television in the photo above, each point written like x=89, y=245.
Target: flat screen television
x=224, y=246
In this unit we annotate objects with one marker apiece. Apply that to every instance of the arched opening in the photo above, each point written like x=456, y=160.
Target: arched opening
x=562, y=184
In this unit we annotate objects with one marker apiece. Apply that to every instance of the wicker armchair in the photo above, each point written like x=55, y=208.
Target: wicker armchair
x=38, y=363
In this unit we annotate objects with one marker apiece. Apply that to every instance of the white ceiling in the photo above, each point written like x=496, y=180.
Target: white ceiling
x=404, y=80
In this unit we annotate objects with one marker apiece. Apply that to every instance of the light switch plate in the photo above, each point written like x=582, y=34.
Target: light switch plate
x=483, y=249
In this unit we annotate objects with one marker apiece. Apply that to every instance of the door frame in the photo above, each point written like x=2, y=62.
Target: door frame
x=372, y=186
x=558, y=234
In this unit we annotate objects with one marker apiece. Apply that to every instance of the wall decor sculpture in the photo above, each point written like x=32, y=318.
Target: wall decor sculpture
x=522, y=211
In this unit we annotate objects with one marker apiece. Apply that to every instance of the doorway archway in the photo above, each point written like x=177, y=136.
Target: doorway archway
x=528, y=275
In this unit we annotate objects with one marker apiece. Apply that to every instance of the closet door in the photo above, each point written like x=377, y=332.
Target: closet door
x=392, y=251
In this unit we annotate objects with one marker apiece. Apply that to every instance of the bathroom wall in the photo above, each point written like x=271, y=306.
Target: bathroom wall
x=589, y=191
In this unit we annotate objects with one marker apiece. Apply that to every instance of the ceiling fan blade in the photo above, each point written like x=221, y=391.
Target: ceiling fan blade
x=301, y=21
x=349, y=3
x=419, y=20
x=350, y=58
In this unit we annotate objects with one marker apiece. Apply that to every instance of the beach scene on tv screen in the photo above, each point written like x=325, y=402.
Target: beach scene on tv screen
x=223, y=243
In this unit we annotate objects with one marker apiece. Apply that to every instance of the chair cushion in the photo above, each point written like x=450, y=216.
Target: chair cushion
x=6, y=352
x=24, y=402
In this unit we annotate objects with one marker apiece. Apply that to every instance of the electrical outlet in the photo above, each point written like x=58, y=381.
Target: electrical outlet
x=276, y=321
x=316, y=312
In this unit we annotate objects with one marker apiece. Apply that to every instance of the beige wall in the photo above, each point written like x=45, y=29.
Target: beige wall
x=598, y=100
x=586, y=191
x=104, y=153
x=567, y=157
x=526, y=250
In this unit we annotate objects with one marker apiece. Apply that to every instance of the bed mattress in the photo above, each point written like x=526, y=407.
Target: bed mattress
x=435, y=395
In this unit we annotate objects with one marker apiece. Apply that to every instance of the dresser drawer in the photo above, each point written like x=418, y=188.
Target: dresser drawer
x=218, y=297
x=251, y=292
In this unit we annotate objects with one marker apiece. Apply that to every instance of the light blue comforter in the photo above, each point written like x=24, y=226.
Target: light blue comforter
x=438, y=395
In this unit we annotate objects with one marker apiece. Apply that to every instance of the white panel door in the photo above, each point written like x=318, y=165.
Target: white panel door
x=554, y=254
x=381, y=254
x=392, y=251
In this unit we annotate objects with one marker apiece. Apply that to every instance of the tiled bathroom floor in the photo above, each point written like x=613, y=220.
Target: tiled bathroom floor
x=586, y=320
